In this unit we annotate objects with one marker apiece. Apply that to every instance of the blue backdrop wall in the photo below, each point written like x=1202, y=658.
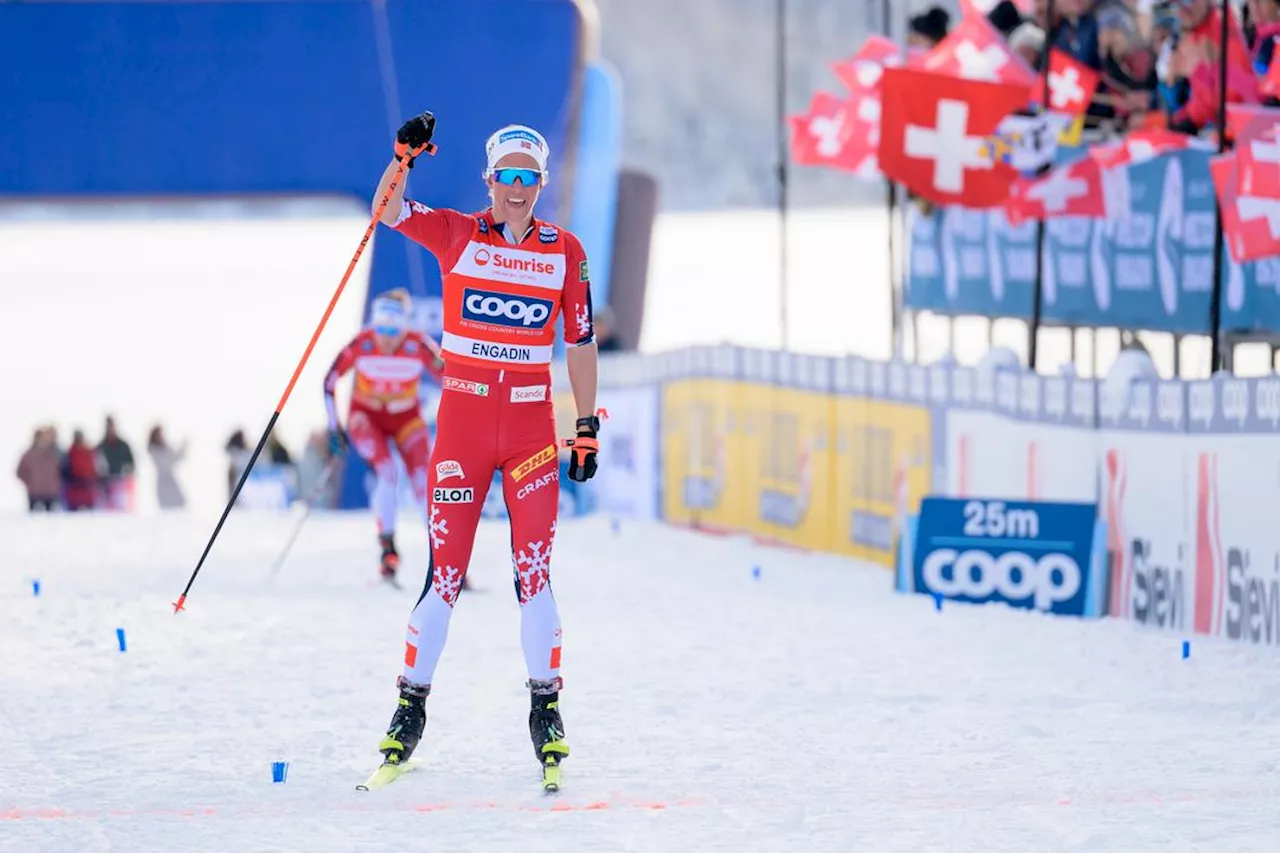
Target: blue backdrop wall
x=241, y=98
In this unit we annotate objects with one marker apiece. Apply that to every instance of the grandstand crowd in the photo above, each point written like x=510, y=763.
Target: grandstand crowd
x=1158, y=61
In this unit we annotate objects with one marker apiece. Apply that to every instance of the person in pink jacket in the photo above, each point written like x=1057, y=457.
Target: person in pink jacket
x=39, y=471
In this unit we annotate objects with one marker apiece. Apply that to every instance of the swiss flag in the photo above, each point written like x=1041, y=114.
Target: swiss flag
x=974, y=50
x=1250, y=224
x=861, y=72
x=1240, y=116
x=833, y=134
x=1258, y=156
x=933, y=135
x=1143, y=145
x=1071, y=190
x=1071, y=83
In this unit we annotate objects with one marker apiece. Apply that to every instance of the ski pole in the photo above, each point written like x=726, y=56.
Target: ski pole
x=311, y=499
x=284, y=398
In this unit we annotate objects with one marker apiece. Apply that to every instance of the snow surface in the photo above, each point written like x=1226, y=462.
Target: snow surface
x=808, y=710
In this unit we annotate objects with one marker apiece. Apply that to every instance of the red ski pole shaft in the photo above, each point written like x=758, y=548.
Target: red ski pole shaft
x=293, y=380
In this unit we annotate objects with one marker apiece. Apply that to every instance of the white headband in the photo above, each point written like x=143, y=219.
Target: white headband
x=516, y=139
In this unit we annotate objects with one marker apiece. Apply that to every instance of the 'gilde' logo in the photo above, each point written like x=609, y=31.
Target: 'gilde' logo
x=1014, y=575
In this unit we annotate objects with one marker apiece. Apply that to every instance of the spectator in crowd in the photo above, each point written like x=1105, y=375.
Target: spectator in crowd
x=1262, y=29
x=39, y=471
x=606, y=338
x=165, y=458
x=117, y=463
x=1028, y=42
x=276, y=451
x=81, y=475
x=925, y=30
x=1074, y=31
x=1194, y=59
x=1005, y=17
x=238, y=452
x=311, y=468
x=1128, y=90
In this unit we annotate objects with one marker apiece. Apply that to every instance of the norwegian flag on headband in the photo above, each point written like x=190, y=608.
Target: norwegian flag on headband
x=1071, y=190
x=933, y=135
x=834, y=133
x=1143, y=145
x=861, y=72
x=1250, y=224
x=974, y=50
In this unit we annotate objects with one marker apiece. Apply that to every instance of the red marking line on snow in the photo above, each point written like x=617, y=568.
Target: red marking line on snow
x=35, y=814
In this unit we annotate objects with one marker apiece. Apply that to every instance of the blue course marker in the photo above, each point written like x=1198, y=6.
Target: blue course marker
x=279, y=771
x=1186, y=649
x=120, y=639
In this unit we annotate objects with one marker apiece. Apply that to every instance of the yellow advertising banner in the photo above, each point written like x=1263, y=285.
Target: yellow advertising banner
x=702, y=453
x=787, y=464
x=883, y=468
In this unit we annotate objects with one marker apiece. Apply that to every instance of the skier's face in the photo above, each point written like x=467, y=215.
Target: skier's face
x=514, y=202
x=388, y=343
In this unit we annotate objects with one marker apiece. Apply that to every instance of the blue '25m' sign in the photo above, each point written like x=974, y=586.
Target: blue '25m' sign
x=1036, y=555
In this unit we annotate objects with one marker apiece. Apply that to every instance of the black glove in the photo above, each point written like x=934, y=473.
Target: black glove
x=414, y=137
x=582, y=462
x=337, y=441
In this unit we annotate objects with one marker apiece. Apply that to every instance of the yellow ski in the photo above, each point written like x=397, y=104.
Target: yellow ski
x=551, y=778
x=385, y=775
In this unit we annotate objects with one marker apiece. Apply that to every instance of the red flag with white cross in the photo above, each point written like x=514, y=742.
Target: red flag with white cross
x=1258, y=157
x=974, y=50
x=933, y=135
x=1143, y=145
x=1250, y=224
x=1071, y=83
x=1071, y=190
x=834, y=134
x=861, y=72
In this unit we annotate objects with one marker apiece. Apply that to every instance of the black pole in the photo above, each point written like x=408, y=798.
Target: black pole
x=891, y=200
x=781, y=73
x=1037, y=290
x=1215, y=300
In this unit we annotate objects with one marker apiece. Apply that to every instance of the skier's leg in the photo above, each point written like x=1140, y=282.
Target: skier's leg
x=531, y=486
x=532, y=504
x=371, y=441
x=459, y=474
x=414, y=445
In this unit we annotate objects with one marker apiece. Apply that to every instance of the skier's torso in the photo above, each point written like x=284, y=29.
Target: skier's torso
x=502, y=299
x=384, y=382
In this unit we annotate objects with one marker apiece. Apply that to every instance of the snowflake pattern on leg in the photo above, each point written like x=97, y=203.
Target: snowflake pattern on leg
x=447, y=583
x=533, y=566
x=438, y=528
